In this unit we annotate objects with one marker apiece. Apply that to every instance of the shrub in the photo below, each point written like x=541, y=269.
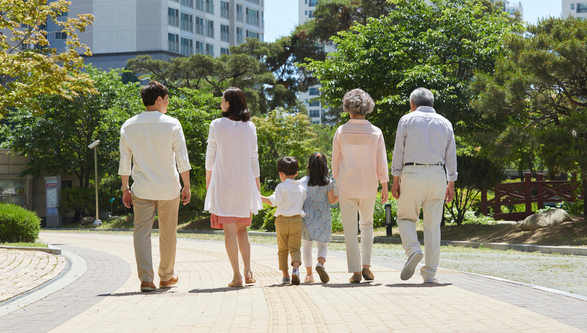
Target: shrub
x=18, y=224
x=269, y=219
x=336, y=219
x=82, y=201
x=573, y=208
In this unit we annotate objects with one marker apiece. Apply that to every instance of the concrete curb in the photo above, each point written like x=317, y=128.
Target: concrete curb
x=569, y=250
x=49, y=249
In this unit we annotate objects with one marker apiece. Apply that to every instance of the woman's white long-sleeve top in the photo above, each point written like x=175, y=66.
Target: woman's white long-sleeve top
x=233, y=159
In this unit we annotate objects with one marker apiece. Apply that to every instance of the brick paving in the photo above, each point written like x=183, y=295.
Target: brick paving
x=107, y=298
x=23, y=270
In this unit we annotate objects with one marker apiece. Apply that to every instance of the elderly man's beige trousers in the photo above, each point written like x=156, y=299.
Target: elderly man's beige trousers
x=422, y=187
x=144, y=211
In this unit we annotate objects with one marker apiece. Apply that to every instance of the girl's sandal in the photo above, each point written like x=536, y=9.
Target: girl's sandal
x=250, y=279
x=236, y=283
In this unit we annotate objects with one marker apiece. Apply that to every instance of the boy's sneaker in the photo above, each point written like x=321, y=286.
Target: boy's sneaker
x=285, y=281
x=295, y=277
x=322, y=272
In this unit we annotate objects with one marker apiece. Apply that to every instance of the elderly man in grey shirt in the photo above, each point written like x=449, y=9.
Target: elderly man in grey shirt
x=424, y=143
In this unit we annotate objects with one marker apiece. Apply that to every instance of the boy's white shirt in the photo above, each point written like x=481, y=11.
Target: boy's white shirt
x=289, y=198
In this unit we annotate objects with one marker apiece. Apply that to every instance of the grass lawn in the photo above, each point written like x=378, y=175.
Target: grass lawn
x=35, y=244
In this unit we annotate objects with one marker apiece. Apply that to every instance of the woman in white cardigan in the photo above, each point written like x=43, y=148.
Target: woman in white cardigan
x=232, y=179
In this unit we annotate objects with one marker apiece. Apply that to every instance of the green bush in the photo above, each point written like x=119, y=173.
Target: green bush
x=269, y=219
x=18, y=224
x=82, y=201
x=573, y=208
x=336, y=219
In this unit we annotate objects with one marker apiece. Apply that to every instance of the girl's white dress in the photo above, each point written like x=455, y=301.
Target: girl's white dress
x=232, y=156
x=318, y=221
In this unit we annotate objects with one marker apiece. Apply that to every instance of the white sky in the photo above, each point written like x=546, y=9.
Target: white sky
x=281, y=16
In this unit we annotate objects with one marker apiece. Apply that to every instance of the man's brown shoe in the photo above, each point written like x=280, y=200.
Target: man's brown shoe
x=148, y=286
x=168, y=283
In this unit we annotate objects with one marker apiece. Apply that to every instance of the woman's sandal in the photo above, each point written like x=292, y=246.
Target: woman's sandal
x=250, y=279
x=236, y=283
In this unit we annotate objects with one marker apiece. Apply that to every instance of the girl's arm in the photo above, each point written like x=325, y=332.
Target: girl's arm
x=266, y=200
x=332, y=197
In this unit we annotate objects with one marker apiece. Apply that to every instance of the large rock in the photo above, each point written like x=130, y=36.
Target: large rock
x=545, y=219
x=88, y=220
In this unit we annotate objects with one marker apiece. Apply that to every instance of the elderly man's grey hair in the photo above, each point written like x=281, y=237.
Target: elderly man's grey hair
x=422, y=97
x=357, y=102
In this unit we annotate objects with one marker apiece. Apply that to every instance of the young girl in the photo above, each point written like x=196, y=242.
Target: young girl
x=317, y=222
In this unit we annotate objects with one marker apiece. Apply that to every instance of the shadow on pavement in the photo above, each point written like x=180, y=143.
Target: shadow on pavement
x=350, y=285
x=217, y=290
x=418, y=285
x=135, y=293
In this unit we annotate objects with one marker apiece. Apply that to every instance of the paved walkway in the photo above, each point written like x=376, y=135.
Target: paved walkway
x=102, y=295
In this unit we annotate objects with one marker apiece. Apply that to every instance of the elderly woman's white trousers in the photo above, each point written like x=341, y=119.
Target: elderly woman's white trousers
x=349, y=207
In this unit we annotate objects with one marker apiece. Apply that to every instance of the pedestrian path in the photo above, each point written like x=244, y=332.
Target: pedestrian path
x=106, y=297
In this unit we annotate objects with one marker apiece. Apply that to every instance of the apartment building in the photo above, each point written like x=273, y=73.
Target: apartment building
x=574, y=8
x=306, y=10
x=163, y=29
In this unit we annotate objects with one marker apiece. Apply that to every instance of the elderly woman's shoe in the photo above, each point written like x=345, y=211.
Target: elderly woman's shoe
x=356, y=278
x=367, y=274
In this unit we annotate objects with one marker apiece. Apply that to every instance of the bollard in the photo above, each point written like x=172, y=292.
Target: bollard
x=388, y=220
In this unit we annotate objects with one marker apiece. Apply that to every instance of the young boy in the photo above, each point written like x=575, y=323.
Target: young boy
x=289, y=198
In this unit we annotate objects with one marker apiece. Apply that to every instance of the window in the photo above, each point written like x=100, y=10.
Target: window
x=572, y=6
x=200, y=5
x=314, y=113
x=312, y=3
x=187, y=46
x=224, y=9
x=314, y=92
x=314, y=102
x=61, y=35
x=173, y=17
x=210, y=49
x=210, y=28
x=240, y=16
x=187, y=3
x=254, y=1
x=252, y=34
x=173, y=43
x=224, y=50
x=199, y=47
x=187, y=22
x=200, y=26
x=224, y=33
x=239, y=36
x=310, y=13
x=582, y=8
x=253, y=17
x=210, y=6
x=315, y=122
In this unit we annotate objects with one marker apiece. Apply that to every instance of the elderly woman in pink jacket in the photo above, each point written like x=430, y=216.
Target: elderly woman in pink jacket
x=359, y=164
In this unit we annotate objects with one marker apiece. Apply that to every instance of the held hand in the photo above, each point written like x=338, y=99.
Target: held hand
x=450, y=193
x=384, y=195
x=186, y=195
x=395, y=190
x=126, y=198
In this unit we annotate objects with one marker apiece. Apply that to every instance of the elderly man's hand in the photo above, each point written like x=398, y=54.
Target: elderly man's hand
x=450, y=192
x=126, y=198
x=186, y=195
x=395, y=191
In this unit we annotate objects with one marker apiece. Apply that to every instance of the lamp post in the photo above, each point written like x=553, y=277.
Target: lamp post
x=94, y=145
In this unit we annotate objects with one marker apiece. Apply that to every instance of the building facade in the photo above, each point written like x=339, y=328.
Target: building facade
x=574, y=8
x=306, y=11
x=163, y=29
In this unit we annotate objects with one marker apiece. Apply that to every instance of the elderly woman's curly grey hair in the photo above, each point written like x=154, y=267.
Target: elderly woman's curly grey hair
x=357, y=102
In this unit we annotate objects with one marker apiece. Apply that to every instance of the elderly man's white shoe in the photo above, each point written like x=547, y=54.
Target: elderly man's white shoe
x=410, y=266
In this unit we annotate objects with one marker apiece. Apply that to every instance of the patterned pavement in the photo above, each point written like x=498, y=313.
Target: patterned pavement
x=104, y=296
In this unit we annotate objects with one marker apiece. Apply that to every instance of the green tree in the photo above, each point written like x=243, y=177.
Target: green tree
x=476, y=173
x=282, y=134
x=58, y=138
x=437, y=45
x=28, y=67
x=541, y=86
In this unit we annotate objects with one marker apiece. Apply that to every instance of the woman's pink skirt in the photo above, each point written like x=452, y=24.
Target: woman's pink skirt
x=216, y=221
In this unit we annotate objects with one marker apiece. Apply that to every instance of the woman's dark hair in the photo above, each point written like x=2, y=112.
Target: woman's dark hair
x=237, y=109
x=152, y=91
x=318, y=170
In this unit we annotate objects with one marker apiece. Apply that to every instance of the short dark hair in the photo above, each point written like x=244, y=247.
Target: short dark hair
x=318, y=170
x=237, y=109
x=288, y=165
x=152, y=91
